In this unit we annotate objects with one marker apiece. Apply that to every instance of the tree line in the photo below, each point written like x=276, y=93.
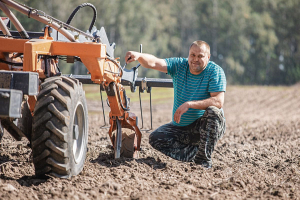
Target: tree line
x=255, y=42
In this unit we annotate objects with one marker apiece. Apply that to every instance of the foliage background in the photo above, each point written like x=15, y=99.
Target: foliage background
x=255, y=42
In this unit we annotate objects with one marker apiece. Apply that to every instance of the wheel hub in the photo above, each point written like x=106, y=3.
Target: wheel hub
x=79, y=134
x=75, y=132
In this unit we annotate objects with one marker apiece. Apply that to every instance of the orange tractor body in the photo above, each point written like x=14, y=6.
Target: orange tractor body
x=57, y=123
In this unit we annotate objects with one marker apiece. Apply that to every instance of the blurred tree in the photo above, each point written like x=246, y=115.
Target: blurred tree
x=287, y=65
x=255, y=42
x=224, y=25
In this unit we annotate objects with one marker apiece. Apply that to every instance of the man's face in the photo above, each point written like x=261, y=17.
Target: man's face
x=198, y=59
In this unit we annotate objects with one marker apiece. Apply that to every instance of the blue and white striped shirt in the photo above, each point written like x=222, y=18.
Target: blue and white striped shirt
x=190, y=87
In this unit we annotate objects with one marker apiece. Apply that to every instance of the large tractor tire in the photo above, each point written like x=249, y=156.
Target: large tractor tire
x=60, y=128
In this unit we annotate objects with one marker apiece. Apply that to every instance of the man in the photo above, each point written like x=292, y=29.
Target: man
x=198, y=120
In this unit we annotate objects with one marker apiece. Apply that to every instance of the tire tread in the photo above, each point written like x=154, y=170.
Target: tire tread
x=52, y=126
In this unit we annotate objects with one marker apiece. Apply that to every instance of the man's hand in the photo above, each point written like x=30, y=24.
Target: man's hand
x=182, y=109
x=132, y=56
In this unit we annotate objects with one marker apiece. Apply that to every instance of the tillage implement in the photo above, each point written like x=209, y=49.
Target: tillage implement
x=49, y=108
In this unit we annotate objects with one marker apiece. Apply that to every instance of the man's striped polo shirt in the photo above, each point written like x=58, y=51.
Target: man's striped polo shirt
x=190, y=87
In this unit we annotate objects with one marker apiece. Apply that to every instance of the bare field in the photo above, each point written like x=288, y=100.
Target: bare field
x=258, y=157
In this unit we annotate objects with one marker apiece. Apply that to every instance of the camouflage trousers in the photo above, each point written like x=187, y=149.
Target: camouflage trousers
x=194, y=142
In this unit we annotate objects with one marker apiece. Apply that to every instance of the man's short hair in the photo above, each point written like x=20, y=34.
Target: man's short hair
x=200, y=43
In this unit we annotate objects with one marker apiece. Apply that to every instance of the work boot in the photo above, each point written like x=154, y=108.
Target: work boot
x=205, y=164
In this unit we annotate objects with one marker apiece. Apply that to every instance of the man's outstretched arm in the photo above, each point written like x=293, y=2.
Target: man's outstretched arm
x=147, y=61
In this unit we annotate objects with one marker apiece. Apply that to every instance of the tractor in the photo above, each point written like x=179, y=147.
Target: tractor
x=48, y=108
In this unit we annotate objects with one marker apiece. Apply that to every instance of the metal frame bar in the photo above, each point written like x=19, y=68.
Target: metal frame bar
x=15, y=34
x=4, y=28
x=41, y=17
x=151, y=82
x=14, y=20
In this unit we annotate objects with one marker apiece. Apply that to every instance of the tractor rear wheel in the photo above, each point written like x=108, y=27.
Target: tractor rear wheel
x=60, y=128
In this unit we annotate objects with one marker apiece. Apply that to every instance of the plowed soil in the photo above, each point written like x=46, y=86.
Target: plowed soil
x=258, y=157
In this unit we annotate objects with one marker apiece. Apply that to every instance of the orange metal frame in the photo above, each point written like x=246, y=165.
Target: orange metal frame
x=93, y=55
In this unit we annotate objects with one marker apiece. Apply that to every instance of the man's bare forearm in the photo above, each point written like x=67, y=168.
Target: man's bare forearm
x=146, y=60
x=216, y=99
x=203, y=104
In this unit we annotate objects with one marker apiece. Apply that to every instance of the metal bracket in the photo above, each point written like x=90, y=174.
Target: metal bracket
x=143, y=86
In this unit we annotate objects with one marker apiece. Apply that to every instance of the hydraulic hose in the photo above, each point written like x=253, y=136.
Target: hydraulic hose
x=121, y=102
x=46, y=19
x=113, y=60
x=81, y=6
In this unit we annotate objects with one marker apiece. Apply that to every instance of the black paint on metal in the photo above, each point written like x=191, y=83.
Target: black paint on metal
x=81, y=6
x=141, y=108
x=102, y=107
x=151, y=82
x=111, y=89
x=10, y=101
x=27, y=82
x=16, y=34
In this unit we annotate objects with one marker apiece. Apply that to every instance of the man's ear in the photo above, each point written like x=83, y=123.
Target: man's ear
x=209, y=56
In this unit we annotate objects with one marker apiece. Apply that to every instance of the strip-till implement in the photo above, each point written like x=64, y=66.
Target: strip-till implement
x=48, y=108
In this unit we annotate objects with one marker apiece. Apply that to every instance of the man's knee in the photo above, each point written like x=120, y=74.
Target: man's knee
x=154, y=137
x=161, y=133
x=217, y=120
x=151, y=138
x=213, y=111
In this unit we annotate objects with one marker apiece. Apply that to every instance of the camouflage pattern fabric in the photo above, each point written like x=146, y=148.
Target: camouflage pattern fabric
x=194, y=142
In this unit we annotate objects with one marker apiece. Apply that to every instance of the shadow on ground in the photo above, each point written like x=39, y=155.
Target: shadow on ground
x=108, y=160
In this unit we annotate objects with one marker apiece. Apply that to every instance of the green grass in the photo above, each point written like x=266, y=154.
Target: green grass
x=158, y=95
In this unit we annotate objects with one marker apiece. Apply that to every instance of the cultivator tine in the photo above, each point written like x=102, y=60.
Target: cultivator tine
x=118, y=139
x=142, y=88
x=149, y=88
x=105, y=125
x=141, y=108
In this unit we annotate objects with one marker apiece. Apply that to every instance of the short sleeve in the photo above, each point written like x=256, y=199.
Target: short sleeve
x=173, y=64
x=217, y=81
